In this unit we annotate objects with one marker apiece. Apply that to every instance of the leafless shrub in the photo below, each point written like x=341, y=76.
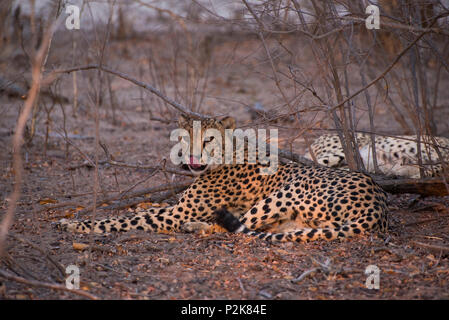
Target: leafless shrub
x=355, y=68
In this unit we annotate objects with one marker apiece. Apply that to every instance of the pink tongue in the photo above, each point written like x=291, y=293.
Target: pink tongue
x=193, y=163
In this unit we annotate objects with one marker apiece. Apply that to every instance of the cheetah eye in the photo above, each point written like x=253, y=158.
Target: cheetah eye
x=207, y=140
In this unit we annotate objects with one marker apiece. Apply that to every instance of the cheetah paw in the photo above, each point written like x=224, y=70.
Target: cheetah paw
x=196, y=226
x=64, y=225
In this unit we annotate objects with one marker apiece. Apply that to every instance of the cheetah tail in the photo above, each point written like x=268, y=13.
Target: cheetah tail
x=232, y=224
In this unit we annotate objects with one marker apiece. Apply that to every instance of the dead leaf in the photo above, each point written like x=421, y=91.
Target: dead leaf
x=80, y=246
x=145, y=205
x=47, y=201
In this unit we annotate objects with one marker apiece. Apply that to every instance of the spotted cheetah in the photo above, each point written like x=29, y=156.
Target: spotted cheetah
x=296, y=203
x=395, y=155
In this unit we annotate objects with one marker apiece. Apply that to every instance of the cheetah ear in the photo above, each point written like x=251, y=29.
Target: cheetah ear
x=228, y=122
x=183, y=120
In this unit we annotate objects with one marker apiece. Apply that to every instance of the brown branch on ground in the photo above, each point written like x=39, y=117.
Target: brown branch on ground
x=16, y=267
x=44, y=253
x=127, y=200
x=123, y=196
x=415, y=223
x=53, y=286
x=153, y=199
x=62, y=205
x=432, y=247
x=130, y=165
x=425, y=186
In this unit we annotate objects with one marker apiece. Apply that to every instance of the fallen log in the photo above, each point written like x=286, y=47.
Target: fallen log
x=425, y=186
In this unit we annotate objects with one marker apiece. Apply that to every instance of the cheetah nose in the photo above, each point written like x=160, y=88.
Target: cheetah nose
x=194, y=163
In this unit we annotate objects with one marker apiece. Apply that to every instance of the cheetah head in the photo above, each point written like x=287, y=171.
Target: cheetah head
x=208, y=136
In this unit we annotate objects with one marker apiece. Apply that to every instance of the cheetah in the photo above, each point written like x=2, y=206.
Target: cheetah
x=396, y=156
x=296, y=203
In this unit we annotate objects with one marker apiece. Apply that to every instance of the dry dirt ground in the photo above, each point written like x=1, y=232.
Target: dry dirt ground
x=139, y=265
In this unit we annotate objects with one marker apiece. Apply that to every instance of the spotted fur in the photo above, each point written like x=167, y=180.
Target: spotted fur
x=297, y=203
x=396, y=156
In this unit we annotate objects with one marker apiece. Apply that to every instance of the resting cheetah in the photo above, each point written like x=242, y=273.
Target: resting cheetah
x=297, y=203
x=395, y=156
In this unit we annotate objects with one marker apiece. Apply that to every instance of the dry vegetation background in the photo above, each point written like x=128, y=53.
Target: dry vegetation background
x=86, y=116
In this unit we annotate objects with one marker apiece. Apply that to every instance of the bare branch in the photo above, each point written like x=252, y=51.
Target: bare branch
x=47, y=285
x=146, y=86
x=37, y=66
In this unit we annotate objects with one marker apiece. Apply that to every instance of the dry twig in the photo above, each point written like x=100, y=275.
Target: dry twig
x=432, y=247
x=47, y=285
